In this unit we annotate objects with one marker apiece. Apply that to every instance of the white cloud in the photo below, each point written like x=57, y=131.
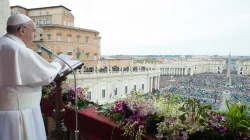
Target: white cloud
x=162, y=26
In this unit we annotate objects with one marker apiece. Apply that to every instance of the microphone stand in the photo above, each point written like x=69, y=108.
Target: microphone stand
x=76, y=98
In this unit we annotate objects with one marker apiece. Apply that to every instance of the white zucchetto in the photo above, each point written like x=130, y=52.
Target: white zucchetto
x=17, y=19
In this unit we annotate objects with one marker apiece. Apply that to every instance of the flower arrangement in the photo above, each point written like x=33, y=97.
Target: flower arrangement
x=168, y=116
x=165, y=115
x=68, y=95
x=48, y=90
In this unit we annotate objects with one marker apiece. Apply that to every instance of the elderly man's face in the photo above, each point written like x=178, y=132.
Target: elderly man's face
x=31, y=33
x=28, y=33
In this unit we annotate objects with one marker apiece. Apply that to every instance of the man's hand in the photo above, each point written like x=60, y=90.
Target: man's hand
x=62, y=64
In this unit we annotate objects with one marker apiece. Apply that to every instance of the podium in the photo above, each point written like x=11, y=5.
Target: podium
x=59, y=132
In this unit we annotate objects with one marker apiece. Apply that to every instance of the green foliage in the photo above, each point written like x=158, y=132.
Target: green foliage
x=117, y=117
x=104, y=109
x=151, y=124
x=148, y=60
x=194, y=112
x=238, y=121
x=83, y=104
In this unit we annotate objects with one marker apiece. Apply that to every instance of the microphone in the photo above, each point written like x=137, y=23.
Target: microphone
x=40, y=46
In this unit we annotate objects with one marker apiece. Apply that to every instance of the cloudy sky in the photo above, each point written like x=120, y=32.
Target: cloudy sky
x=164, y=27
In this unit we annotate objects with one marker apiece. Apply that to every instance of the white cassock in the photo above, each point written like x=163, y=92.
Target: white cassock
x=22, y=75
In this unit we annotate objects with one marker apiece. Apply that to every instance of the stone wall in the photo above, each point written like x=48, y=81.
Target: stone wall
x=4, y=14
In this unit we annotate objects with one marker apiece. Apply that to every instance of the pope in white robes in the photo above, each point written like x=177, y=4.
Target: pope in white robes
x=22, y=75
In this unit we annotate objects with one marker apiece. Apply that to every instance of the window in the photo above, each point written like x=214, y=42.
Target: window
x=142, y=86
x=115, y=91
x=64, y=13
x=59, y=38
x=40, y=21
x=49, y=37
x=50, y=56
x=41, y=35
x=78, y=56
x=218, y=67
x=74, y=50
x=40, y=53
x=64, y=23
x=89, y=95
x=47, y=12
x=68, y=23
x=135, y=87
x=87, y=40
x=241, y=68
x=82, y=51
x=78, y=39
x=69, y=39
x=40, y=13
x=47, y=21
x=126, y=89
x=103, y=93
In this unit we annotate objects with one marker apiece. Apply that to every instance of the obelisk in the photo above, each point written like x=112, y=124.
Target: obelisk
x=228, y=78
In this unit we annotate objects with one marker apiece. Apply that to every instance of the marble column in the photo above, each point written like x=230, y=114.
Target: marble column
x=151, y=83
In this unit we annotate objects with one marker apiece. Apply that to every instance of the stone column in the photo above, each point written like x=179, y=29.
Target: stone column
x=4, y=14
x=155, y=84
x=158, y=86
x=151, y=83
x=191, y=71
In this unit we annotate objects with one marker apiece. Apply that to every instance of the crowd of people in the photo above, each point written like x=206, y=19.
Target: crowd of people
x=209, y=87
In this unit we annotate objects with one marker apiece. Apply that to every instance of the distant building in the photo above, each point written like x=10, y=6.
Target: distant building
x=243, y=67
x=56, y=31
x=184, y=66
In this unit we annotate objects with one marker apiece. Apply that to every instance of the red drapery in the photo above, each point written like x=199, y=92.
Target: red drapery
x=91, y=124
